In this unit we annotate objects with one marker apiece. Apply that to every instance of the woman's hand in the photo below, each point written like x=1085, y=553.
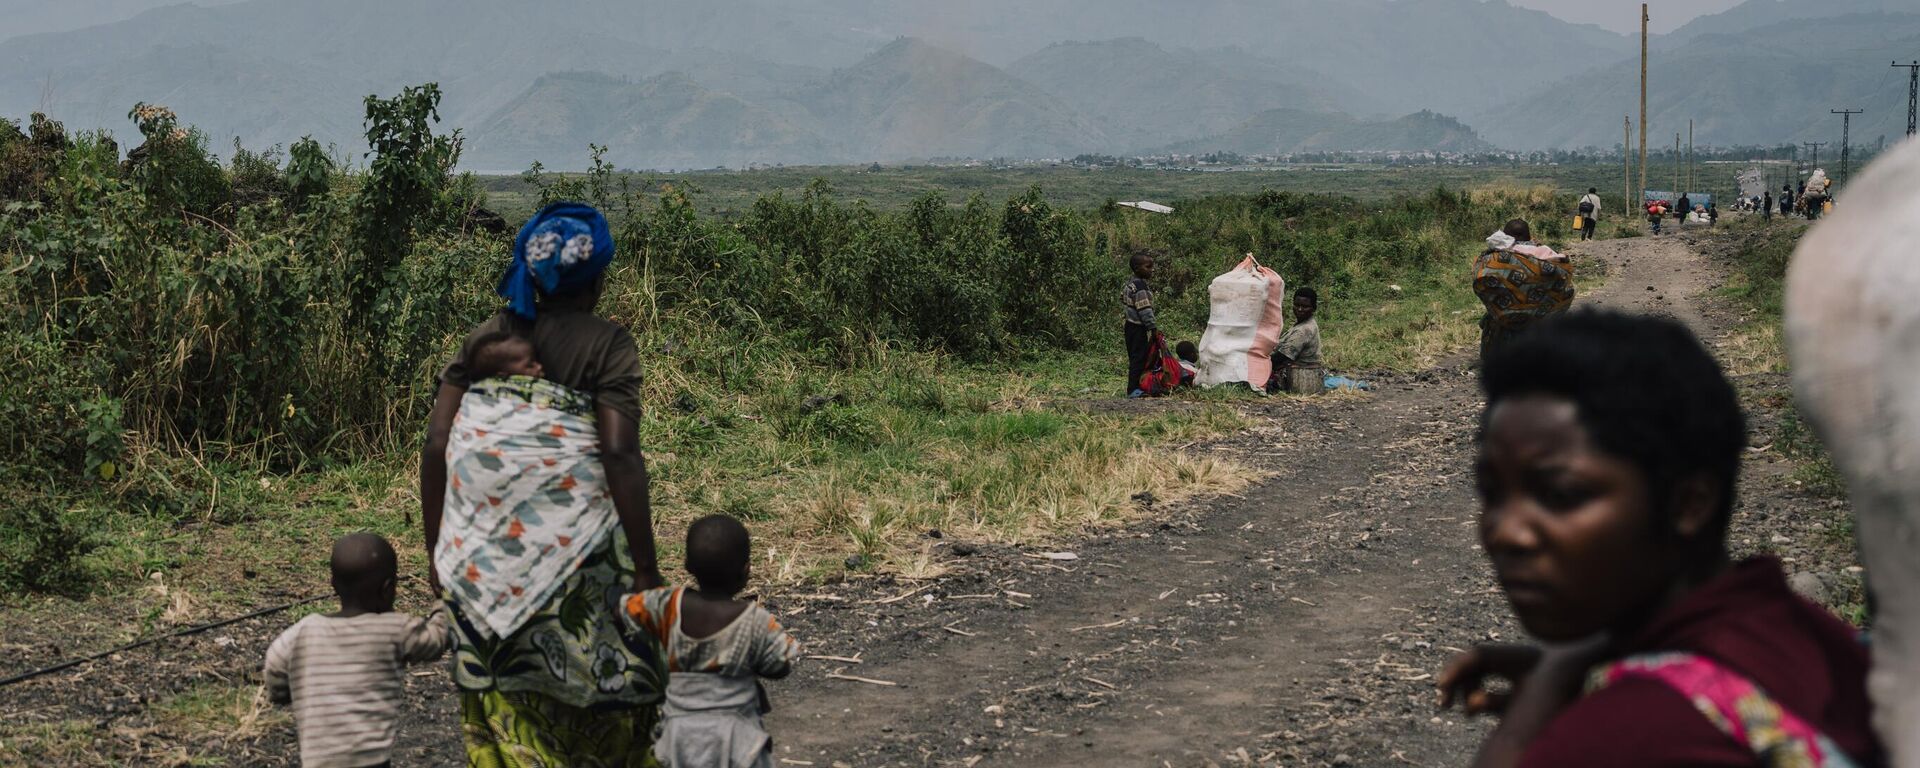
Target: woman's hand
x=1465, y=679
x=1544, y=682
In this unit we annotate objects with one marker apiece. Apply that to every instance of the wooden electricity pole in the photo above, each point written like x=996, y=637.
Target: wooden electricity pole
x=1644, y=18
x=1626, y=161
x=1677, y=191
x=1690, y=179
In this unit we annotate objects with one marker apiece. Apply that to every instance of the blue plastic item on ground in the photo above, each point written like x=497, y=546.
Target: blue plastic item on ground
x=1342, y=382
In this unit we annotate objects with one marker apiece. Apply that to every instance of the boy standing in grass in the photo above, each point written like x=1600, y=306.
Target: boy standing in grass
x=341, y=671
x=1136, y=301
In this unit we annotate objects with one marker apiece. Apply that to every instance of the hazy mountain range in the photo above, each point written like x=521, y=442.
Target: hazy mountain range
x=672, y=84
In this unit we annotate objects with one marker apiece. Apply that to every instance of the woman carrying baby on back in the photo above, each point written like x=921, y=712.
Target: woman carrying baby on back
x=534, y=503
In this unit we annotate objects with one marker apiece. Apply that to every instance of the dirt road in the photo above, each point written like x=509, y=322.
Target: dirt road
x=1300, y=624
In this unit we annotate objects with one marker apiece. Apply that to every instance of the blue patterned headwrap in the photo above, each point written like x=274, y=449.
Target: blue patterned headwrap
x=560, y=250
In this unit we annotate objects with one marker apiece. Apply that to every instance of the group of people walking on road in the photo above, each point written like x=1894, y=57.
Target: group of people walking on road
x=1605, y=514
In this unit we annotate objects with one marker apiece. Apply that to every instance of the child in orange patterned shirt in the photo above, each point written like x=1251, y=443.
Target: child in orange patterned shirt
x=717, y=647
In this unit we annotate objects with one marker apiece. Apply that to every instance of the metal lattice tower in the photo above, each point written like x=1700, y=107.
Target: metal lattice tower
x=1846, y=136
x=1913, y=95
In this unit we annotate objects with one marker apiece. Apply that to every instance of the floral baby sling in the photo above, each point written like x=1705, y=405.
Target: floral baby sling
x=526, y=501
x=1735, y=706
x=1517, y=288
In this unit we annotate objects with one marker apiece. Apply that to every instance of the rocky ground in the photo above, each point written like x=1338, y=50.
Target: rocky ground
x=1298, y=624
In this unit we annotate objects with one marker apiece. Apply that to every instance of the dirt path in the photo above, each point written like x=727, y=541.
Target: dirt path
x=1299, y=625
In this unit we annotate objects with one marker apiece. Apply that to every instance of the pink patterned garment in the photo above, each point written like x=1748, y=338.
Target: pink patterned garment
x=1780, y=739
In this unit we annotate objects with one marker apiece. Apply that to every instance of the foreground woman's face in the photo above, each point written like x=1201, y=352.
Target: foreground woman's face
x=1569, y=529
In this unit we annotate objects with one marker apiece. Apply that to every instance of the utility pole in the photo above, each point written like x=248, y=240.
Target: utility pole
x=1677, y=191
x=1644, y=18
x=1815, y=145
x=1846, y=138
x=1690, y=179
x=1913, y=93
x=1626, y=161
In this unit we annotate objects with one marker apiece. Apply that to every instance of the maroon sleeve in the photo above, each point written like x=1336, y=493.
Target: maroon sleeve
x=1634, y=723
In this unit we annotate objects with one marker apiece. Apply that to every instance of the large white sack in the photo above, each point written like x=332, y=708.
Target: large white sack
x=1853, y=337
x=1243, y=326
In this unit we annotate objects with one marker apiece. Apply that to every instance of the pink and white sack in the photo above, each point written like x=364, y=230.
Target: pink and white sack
x=1248, y=311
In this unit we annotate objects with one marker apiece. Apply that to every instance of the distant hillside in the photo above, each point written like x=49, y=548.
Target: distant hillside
x=1144, y=95
x=1757, y=87
x=665, y=122
x=271, y=71
x=1281, y=131
x=915, y=100
x=1757, y=14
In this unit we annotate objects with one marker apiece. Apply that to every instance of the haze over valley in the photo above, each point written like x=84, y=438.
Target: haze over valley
x=668, y=85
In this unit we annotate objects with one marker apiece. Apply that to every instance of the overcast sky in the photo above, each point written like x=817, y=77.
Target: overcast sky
x=1624, y=15
x=21, y=17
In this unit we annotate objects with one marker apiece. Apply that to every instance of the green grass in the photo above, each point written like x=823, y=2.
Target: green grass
x=729, y=192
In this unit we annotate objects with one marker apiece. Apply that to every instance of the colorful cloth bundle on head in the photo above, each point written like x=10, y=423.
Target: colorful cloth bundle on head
x=562, y=249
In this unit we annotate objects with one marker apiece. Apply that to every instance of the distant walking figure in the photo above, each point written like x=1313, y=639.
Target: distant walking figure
x=1589, y=213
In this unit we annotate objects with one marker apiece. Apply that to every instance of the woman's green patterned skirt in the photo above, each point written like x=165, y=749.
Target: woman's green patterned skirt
x=569, y=688
x=531, y=730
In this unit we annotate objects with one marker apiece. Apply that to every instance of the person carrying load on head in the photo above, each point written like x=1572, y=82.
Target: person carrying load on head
x=534, y=500
x=1520, y=282
x=1589, y=212
x=1296, y=360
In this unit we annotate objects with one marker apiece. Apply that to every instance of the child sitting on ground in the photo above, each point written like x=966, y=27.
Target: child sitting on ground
x=1296, y=359
x=1189, y=362
x=501, y=353
x=716, y=646
x=342, y=671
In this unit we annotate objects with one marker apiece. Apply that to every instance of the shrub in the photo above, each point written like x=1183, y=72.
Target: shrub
x=43, y=541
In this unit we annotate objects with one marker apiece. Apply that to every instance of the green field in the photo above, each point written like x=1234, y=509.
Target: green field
x=730, y=192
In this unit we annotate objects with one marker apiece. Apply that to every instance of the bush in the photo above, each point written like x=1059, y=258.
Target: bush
x=267, y=319
x=43, y=542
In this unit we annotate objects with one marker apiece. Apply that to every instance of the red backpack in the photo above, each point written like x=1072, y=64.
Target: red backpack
x=1163, y=368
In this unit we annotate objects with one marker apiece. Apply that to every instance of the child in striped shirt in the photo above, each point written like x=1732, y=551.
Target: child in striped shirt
x=341, y=671
x=1136, y=303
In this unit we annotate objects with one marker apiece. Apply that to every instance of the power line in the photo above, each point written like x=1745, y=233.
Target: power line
x=1846, y=137
x=1913, y=95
